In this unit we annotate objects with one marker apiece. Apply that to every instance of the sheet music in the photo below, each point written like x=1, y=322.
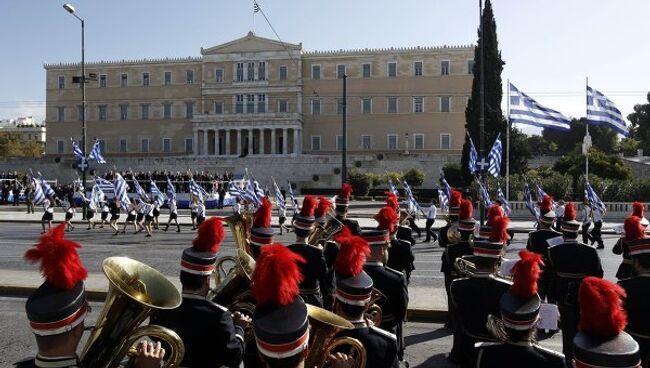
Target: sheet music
x=549, y=316
x=506, y=266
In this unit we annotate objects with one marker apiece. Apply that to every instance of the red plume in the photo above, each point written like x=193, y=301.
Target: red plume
x=392, y=201
x=466, y=209
x=525, y=274
x=346, y=190
x=493, y=212
x=308, y=205
x=570, y=212
x=324, y=206
x=351, y=256
x=263, y=214
x=210, y=236
x=277, y=276
x=633, y=228
x=601, y=307
x=546, y=205
x=343, y=234
x=456, y=196
x=637, y=209
x=60, y=263
x=499, y=230
x=386, y=217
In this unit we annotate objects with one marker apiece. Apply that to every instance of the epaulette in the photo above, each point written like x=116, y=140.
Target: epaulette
x=548, y=351
x=486, y=344
x=383, y=333
x=394, y=271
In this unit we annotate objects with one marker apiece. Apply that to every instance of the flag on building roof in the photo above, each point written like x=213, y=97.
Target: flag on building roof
x=495, y=157
x=602, y=111
x=525, y=110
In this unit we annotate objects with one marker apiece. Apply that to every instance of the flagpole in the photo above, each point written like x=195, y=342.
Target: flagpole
x=254, y=8
x=482, y=108
x=586, y=132
x=508, y=147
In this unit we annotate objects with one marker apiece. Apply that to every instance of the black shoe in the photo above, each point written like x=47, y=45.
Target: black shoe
x=178, y=231
x=148, y=236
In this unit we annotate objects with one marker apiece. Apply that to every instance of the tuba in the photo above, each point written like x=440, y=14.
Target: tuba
x=453, y=235
x=374, y=312
x=240, y=225
x=465, y=267
x=135, y=291
x=324, y=326
x=325, y=232
x=496, y=328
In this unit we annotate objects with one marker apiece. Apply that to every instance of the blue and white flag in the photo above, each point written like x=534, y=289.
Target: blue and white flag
x=38, y=196
x=96, y=153
x=525, y=110
x=171, y=191
x=156, y=194
x=485, y=195
x=392, y=188
x=593, y=198
x=121, y=189
x=528, y=199
x=96, y=196
x=443, y=183
x=473, y=156
x=234, y=190
x=504, y=201
x=197, y=191
x=259, y=192
x=47, y=189
x=495, y=157
x=78, y=153
x=105, y=185
x=139, y=190
x=294, y=205
x=443, y=199
x=250, y=194
x=540, y=193
x=602, y=111
x=279, y=199
x=413, y=205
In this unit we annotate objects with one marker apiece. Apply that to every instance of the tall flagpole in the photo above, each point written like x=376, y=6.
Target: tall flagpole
x=587, y=140
x=254, y=11
x=508, y=147
x=482, y=98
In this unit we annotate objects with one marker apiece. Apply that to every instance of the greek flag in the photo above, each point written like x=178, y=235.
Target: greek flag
x=157, y=194
x=600, y=110
x=138, y=189
x=259, y=192
x=279, y=200
x=540, y=193
x=96, y=196
x=473, y=156
x=528, y=199
x=121, y=191
x=197, y=190
x=485, y=195
x=47, y=189
x=443, y=182
x=525, y=110
x=392, y=188
x=250, y=194
x=296, y=208
x=443, y=199
x=96, y=153
x=504, y=201
x=413, y=205
x=37, y=196
x=78, y=153
x=104, y=185
x=495, y=157
x=234, y=190
x=593, y=198
x=171, y=191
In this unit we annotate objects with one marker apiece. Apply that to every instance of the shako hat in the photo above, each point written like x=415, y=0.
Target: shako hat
x=466, y=220
x=569, y=224
x=200, y=258
x=387, y=219
x=546, y=213
x=638, y=209
x=494, y=212
x=261, y=231
x=321, y=211
x=492, y=247
x=520, y=305
x=454, y=204
x=343, y=199
x=635, y=238
x=305, y=219
x=353, y=285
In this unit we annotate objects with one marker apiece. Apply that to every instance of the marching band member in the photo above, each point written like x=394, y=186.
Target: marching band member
x=626, y=268
x=212, y=335
x=538, y=243
x=400, y=254
x=173, y=215
x=452, y=220
x=342, y=203
x=321, y=211
x=261, y=231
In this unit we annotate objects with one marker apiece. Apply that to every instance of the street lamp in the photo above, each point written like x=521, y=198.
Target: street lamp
x=84, y=163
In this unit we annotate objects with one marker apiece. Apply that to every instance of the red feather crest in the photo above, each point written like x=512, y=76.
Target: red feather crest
x=60, y=263
x=392, y=201
x=570, y=212
x=601, y=308
x=546, y=205
x=263, y=214
x=456, y=196
x=633, y=228
x=277, y=276
x=466, y=209
x=308, y=206
x=209, y=236
x=499, y=230
x=346, y=190
x=343, y=234
x=387, y=218
x=351, y=256
x=525, y=274
x=324, y=206
x=493, y=212
x=637, y=209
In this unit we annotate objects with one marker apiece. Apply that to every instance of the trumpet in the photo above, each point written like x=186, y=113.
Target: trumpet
x=325, y=232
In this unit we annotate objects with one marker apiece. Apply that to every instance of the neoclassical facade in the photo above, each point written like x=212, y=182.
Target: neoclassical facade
x=255, y=96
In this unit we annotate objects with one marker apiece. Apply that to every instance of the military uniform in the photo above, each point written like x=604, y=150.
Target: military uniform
x=44, y=362
x=625, y=269
x=511, y=355
x=400, y=257
x=315, y=286
x=381, y=346
x=637, y=305
x=391, y=283
x=538, y=243
x=443, y=240
x=405, y=233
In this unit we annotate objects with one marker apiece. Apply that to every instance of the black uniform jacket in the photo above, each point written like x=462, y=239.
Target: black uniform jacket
x=506, y=355
x=453, y=251
x=405, y=233
x=637, y=305
x=59, y=362
x=400, y=256
x=314, y=272
x=392, y=284
x=381, y=346
x=210, y=337
x=572, y=262
x=443, y=241
x=625, y=269
x=537, y=241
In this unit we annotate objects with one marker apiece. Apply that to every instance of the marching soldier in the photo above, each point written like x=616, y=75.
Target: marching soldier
x=212, y=335
x=477, y=296
x=601, y=341
x=519, y=309
x=314, y=287
x=626, y=269
x=342, y=203
x=637, y=301
x=353, y=294
x=261, y=231
x=400, y=254
x=58, y=308
x=538, y=243
x=572, y=262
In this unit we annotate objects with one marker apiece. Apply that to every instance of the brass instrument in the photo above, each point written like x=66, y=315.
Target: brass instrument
x=465, y=267
x=496, y=328
x=325, y=232
x=135, y=291
x=324, y=326
x=240, y=225
x=374, y=312
x=453, y=235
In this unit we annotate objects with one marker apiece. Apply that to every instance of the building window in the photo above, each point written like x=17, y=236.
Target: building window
x=418, y=104
x=123, y=146
x=315, y=143
x=340, y=70
x=124, y=80
x=315, y=72
x=168, y=78
x=445, y=103
x=103, y=112
x=144, y=145
x=250, y=71
x=167, y=145
x=239, y=106
x=392, y=105
x=218, y=75
x=189, y=110
x=391, y=141
x=167, y=110
x=145, y=111
x=315, y=107
x=61, y=84
x=444, y=67
x=261, y=70
x=417, y=66
x=250, y=104
x=124, y=112
x=283, y=106
x=145, y=79
x=445, y=141
x=80, y=112
x=102, y=81
x=284, y=73
x=339, y=142
x=261, y=104
x=60, y=146
x=366, y=105
x=418, y=141
x=392, y=69
x=188, y=145
x=366, y=142
x=189, y=76
x=470, y=66
x=366, y=70
x=240, y=72
x=218, y=107
x=339, y=106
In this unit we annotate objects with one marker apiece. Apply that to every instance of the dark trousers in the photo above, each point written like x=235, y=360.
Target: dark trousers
x=450, y=306
x=569, y=317
x=596, y=235
x=545, y=287
x=415, y=226
x=429, y=232
x=585, y=233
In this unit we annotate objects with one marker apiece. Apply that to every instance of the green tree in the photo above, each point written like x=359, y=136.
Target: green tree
x=415, y=177
x=602, y=137
x=628, y=146
x=600, y=163
x=454, y=174
x=520, y=151
x=640, y=120
x=360, y=182
x=12, y=146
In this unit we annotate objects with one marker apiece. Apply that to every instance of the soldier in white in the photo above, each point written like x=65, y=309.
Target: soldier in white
x=431, y=219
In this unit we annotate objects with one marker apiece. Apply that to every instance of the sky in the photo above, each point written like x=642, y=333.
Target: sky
x=550, y=46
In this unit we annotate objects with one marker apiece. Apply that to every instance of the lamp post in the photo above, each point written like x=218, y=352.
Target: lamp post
x=84, y=163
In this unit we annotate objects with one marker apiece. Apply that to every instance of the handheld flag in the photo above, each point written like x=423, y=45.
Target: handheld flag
x=593, y=198
x=503, y=200
x=485, y=195
x=96, y=153
x=121, y=191
x=528, y=199
x=171, y=191
x=105, y=185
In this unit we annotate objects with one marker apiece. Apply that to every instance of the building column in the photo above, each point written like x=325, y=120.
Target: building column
x=238, y=142
x=227, y=145
x=284, y=141
x=274, y=143
x=300, y=143
x=262, y=141
x=249, y=140
x=205, y=142
x=195, y=143
x=216, y=142
x=295, y=142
